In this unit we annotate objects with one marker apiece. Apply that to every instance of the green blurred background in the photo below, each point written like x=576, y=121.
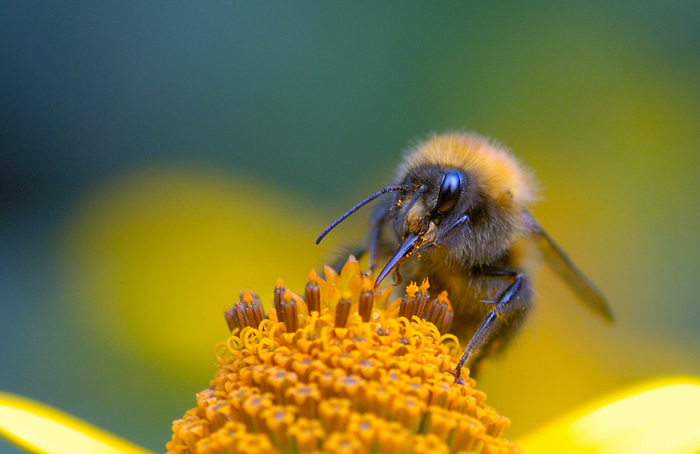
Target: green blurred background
x=156, y=158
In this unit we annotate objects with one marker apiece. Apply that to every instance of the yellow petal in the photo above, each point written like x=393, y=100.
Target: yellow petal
x=41, y=429
x=658, y=417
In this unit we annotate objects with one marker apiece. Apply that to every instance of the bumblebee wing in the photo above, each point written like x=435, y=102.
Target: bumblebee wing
x=569, y=273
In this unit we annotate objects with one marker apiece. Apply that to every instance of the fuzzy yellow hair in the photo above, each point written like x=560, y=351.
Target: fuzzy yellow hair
x=500, y=175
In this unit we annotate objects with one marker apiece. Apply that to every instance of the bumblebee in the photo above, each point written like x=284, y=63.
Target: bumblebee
x=457, y=213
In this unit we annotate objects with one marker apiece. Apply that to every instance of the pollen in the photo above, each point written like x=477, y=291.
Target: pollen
x=341, y=369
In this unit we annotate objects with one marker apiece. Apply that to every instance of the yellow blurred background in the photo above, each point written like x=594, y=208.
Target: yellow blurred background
x=157, y=160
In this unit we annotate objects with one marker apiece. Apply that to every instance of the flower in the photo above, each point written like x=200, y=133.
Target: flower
x=655, y=418
x=662, y=416
x=340, y=371
x=41, y=429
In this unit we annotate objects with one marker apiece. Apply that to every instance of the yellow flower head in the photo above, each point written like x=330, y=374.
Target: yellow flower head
x=340, y=370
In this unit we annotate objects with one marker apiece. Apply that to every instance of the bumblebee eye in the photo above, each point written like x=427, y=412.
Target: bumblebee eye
x=449, y=191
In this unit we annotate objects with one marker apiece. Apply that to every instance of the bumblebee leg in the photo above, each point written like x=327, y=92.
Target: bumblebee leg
x=338, y=263
x=510, y=306
x=375, y=227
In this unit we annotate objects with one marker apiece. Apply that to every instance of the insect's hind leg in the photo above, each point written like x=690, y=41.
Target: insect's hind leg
x=510, y=308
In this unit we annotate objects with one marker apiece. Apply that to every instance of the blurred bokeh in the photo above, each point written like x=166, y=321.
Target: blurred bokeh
x=155, y=159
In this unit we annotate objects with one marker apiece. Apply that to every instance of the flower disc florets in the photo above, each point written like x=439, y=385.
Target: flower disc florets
x=340, y=370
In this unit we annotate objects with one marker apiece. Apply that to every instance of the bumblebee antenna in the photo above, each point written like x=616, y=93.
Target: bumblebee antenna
x=365, y=201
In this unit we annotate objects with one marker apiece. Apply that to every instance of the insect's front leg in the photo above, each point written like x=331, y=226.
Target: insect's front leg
x=371, y=248
x=509, y=309
x=376, y=224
